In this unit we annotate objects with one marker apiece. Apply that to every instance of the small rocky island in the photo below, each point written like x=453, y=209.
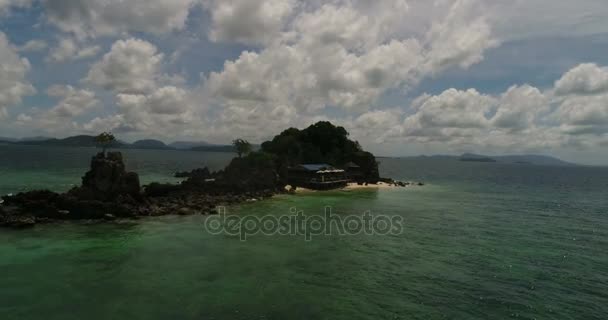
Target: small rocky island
x=109, y=192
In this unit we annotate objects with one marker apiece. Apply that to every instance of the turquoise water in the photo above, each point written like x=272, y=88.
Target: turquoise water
x=480, y=241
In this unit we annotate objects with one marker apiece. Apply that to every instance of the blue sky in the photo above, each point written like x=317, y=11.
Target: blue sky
x=404, y=76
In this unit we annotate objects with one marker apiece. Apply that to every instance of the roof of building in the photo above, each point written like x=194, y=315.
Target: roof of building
x=315, y=167
x=351, y=165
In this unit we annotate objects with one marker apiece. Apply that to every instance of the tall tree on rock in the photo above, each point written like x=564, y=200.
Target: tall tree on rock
x=242, y=147
x=104, y=141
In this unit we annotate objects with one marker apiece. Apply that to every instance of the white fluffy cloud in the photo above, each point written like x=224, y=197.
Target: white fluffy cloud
x=587, y=78
x=131, y=66
x=461, y=38
x=73, y=101
x=13, y=83
x=68, y=49
x=148, y=100
x=519, y=107
x=453, y=113
x=347, y=54
x=165, y=101
x=33, y=46
x=249, y=22
x=581, y=115
x=110, y=17
x=60, y=118
x=572, y=114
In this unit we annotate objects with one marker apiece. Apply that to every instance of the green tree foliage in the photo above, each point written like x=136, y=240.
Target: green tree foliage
x=242, y=147
x=321, y=143
x=105, y=140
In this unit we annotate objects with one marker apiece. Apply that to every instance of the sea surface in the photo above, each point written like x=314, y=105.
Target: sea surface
x=479, y=241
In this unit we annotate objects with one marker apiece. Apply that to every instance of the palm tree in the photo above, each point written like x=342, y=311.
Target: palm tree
x=104, y=141
x=241, y=146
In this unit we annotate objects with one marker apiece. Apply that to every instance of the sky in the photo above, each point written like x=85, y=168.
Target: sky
x=405, y=77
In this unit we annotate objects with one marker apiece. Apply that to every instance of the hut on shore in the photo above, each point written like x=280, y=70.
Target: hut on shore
x=317, y=177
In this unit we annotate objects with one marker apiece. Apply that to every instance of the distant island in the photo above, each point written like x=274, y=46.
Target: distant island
x=88, y=141
x=531, y=159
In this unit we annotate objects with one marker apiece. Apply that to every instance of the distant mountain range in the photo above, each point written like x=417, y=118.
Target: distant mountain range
x=6, y=139
x=185, y=145
x=529, y=159
x=89, y=141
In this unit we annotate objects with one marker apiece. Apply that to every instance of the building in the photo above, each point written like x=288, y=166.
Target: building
x=317, y=177
x=353, y=172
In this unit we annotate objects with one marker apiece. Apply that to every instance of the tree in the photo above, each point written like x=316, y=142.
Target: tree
x=105, y=140
x=241, y=146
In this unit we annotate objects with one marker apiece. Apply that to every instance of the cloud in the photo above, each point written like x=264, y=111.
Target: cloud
x=573, y=114
x=581, y=115
x=13, y=83
x=518, y=107
x=459, y=39
x=453, y=113
x=249, y=22
x=34, y=46
x=68, y=50
x=587, y=78
x=60, y=118
x=165, y=101
x=6, y=5
x=90, y=18
x=348, y=54
x=333, y=56
x=73, y=101
x=131, y=66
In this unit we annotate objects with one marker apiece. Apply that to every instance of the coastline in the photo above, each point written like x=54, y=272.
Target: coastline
x=355, y=186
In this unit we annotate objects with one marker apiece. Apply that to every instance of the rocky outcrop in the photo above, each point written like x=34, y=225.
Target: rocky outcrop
x=107, y=179
x=107, y=189
x=255, y=172
x=109, y=192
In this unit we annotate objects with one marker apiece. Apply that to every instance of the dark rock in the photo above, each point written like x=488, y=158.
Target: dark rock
x=107, y=179
x=109, y=217
x=203, y=173
x=40, y=203
x=160, y=189
x=19, y=222
x=420, y=184
x=185, y=212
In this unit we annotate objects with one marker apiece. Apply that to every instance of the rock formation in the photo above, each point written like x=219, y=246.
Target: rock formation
x=107, y=179
x=109, y=192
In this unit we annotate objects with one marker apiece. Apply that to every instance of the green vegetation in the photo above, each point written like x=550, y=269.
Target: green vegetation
x=105, y=140
x=321, y=143
x=242, y=147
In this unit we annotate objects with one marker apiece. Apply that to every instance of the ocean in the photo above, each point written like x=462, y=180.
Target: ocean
x=478, y=241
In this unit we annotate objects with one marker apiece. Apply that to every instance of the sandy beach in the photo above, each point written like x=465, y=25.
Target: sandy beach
x=354, y=186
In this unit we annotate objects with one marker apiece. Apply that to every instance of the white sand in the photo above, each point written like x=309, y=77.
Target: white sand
x=353, y=186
